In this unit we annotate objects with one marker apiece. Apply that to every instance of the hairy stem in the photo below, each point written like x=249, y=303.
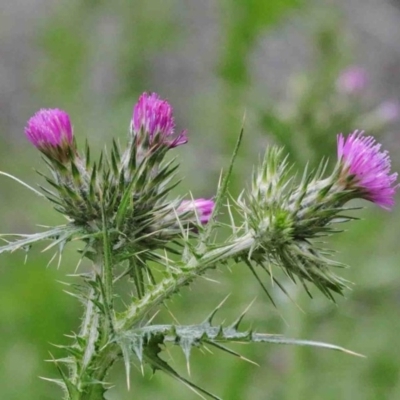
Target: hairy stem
x=182, y=276
x=96, y=331
x=107, y=276
x=89, y=329
x=103, y=361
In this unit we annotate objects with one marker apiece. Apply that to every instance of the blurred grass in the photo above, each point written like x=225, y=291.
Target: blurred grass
x=93, y=60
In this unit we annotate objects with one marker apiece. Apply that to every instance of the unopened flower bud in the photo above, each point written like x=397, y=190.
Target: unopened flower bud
x=202, y=207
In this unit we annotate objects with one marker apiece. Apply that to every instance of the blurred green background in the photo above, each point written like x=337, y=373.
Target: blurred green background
x=276, y=62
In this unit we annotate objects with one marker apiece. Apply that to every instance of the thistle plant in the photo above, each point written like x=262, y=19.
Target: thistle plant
x=121, y=208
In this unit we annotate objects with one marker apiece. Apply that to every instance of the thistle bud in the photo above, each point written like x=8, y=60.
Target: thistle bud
x=365, y=169
x=153, y=118
x=50, y=131
x=202, y=207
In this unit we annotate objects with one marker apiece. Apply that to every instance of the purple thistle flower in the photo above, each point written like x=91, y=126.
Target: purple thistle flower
x=155, y=117
x=50, y=131
x=202, y=207
x=352, y=80
x=366, y=169
x=49, y=127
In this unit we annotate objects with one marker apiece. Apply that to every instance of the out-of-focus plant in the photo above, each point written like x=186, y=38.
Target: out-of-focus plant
x=120, y=208
x=330, y=99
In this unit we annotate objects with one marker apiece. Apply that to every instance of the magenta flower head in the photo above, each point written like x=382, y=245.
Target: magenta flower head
x=366, y=169
x=202, y=207
x=352, y=80
x=153, y=117
x=50, y=130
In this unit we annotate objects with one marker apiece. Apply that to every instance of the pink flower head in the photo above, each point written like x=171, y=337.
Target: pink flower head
x=49, y=128
x=367, y=169
x=202, y=207
x=155, y=117
x=50, y=131
x=352, y=80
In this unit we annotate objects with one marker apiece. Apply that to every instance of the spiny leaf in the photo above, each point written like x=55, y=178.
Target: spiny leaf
x=235, y=325
x=197, y=334
x=146, y=343
x=160, y=364
x=251, y=268
x=126, y=355
x=76, y=175
x=126, y=199
x=231, y=352
x=210, y=317
x=65, y=231
x=186, y=346
x=151, y=356
x=58, y=382
x=116, y=151
x=93, y=182
x=114, y=163
x=22, y=183
x=72, y=390
x=87, y=154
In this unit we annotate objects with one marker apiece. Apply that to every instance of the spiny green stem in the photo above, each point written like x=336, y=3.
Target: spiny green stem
x=107, y=274
x=104, y=360
x=95, y=332
x=88, y=314
x=183, y=276
x=89, y=329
